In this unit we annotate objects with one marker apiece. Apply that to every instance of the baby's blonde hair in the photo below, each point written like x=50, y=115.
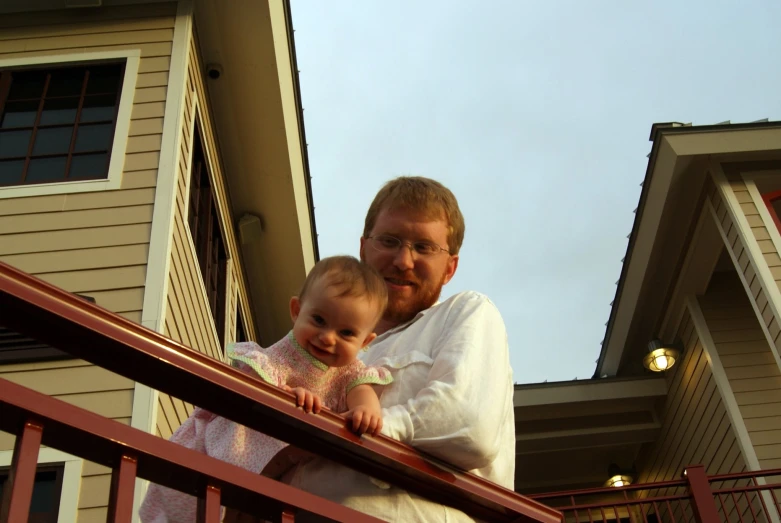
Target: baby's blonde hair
x=351, y=277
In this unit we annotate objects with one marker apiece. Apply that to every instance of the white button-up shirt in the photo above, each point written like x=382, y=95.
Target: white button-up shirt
x=452, y=397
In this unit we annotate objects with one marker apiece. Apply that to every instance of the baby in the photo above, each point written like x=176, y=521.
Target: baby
x=333, y=316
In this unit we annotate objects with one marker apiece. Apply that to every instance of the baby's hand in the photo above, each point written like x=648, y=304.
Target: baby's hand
x=366, y=419
x=305, y=399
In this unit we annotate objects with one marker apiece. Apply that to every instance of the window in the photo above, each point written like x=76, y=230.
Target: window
x=207, y=236
x=241, y=334
x=45, y=504
x=57, y=124
x=18, y=348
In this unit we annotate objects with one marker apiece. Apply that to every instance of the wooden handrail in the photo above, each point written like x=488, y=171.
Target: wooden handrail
x=130, y=350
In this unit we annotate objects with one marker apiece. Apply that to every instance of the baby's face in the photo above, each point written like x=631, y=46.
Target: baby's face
x=331, y=328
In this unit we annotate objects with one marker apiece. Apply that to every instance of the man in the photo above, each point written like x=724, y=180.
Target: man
x=452, y=394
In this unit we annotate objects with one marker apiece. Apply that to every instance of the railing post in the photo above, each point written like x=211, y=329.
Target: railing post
x=18, y=491
x=123, y=480
x=209, y=510
x=702, y=497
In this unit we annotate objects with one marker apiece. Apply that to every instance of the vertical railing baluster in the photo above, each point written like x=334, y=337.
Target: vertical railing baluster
x=670, y=511
x=123, y=482
x=572, y=502
x=723, y=508
x=18, y=490
x=657, y=513
x=751, y=507
x=642, y=511
x=737, y=507
x=768, y=514
x=288, y=515
x=209, y=510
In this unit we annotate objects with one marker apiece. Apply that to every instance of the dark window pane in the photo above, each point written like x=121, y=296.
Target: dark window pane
x=14, y=143
x=104, y=79
x=52, y=141
x=27, y=84
x=89, y=166
x=19, y=114
x=93, y=138
x=66, y=82
x=45, y=492
x=59, y=111
x=98, y=109
x=11, y=172
x=46, y=169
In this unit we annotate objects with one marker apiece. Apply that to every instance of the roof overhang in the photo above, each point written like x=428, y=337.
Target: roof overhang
x=667, y=205
x=256, y=107
x=568, y=433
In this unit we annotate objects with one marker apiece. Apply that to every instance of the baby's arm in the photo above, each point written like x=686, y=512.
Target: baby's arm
x=364, y=409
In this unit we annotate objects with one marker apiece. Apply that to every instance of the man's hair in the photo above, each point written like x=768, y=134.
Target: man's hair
x=424, y=195
x=351, y=277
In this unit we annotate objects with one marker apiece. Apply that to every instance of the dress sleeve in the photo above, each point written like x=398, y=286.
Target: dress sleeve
x=359, y=374
x=252, y=359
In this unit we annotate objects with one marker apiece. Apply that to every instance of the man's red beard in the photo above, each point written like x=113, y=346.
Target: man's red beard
x=401, y=310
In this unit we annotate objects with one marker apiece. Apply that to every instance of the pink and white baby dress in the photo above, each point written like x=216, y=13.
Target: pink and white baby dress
x=284, y=363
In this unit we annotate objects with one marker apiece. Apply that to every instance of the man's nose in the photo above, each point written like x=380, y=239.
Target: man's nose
x=403, y=259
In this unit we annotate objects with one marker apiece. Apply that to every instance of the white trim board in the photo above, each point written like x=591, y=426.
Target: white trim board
x=753, y=251
x=121, y=130
x=71, y=479
x=145, y=399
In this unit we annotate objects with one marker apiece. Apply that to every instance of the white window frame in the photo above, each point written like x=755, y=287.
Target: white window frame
x=121, y=130
x=71, y=479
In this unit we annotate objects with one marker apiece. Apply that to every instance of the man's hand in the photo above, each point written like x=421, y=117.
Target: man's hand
x=305, y=399
x=366, y=419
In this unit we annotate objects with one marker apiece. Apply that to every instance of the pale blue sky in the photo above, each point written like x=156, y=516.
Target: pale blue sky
x=537, y=115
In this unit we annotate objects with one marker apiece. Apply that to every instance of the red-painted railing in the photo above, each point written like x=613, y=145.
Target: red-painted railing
x=743, y=497
x=67, y=322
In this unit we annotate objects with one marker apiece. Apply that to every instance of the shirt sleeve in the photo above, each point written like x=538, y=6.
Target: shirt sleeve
x=458, y=415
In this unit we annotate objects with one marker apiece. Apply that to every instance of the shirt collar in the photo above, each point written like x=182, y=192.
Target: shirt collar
x=403, y=326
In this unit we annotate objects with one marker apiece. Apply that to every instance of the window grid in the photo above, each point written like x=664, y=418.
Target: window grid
x=87, y=153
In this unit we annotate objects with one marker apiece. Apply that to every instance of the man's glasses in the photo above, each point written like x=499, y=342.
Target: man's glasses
x=388, y=244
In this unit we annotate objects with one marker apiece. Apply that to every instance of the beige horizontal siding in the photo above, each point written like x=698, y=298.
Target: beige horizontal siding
x=96, y=243
x=749, y=363
x=738, y=345
x=695, y=426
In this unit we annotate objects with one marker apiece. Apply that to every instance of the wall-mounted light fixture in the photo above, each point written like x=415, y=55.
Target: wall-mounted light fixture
x=661, y=356
x=619, y=477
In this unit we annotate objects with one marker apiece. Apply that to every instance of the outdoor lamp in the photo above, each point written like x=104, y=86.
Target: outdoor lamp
x=618, y=477
x=661, y=356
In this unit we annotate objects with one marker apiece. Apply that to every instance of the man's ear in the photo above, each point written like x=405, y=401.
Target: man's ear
x=369, y=339
x=295, y=308
x=452, y=265
x=363, y=243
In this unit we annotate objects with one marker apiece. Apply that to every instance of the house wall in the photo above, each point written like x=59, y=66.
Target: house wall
x=751, y=363
x=93, y=243
x=751, y=370
x=695, y=427
x=188, y=318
